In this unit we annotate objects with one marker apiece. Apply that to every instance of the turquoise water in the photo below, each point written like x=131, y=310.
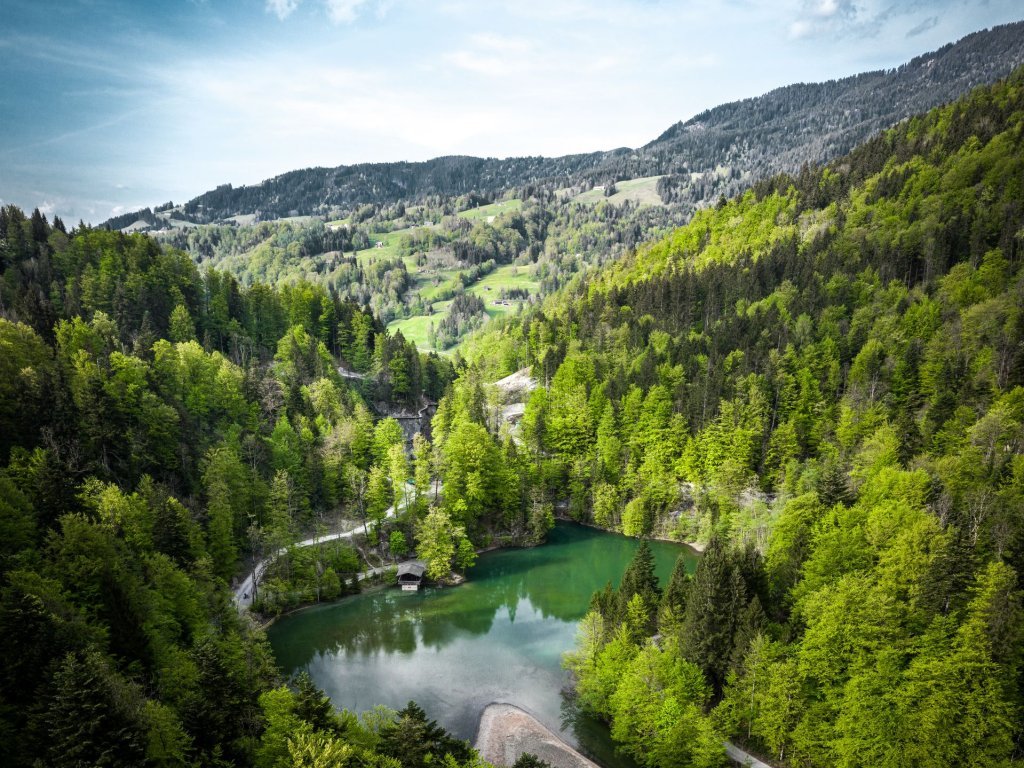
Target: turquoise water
x=498, y=637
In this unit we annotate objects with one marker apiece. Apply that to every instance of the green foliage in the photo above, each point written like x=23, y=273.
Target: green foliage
x=828, y=369
x=437, y=541
x=657, y=714
x=25, y=368
x=654, y=698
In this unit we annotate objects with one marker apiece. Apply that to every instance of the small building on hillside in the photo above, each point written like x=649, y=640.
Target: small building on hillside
x=410, y=575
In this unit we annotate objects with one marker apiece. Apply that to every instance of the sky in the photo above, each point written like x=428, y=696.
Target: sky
x=108, y=106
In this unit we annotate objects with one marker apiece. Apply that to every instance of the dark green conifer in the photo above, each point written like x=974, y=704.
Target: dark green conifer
x=640, y=579
x=673, y=603
x=709, y=625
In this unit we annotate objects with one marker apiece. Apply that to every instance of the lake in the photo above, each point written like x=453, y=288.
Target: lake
x=498, y=637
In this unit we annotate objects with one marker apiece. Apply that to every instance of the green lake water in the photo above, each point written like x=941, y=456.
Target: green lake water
x=498, y=637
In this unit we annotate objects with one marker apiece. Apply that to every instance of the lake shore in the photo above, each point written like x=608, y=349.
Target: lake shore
x=505, y=732
x=696, y=546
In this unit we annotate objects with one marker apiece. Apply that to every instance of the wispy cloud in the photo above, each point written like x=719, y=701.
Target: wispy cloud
x=822, y=16
x=924, y=26
x=344, y=11
x=338, y=11
x=66, y=136
x=494, y=55
x=282, y=8
x=171, y=104
x=860, y=19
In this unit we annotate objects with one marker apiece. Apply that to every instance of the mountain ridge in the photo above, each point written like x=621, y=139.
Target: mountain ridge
x=719, y=151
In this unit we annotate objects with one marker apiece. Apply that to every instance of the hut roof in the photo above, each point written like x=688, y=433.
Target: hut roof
x=413, y=568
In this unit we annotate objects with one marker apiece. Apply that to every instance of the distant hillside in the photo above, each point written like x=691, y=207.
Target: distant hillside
x=816, y=122
x=720, y=151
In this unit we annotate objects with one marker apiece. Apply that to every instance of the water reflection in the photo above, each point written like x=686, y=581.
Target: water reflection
x=499, y=637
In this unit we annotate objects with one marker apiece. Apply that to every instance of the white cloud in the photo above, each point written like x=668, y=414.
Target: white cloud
x=826, y=9
x=493, y=66
x=500, y=43
x=819, y=17
x=282, y=8
x=495, y=55
x=498, y=78
x=344, y=11
x=338, y=11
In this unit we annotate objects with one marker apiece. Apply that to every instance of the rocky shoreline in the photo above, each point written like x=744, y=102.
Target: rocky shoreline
x=505, y=732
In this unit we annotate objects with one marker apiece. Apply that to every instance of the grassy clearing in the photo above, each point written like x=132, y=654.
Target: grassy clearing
x=415, y=328
x=447, y=280
x=486, y=212
x=505, y=277
x=643, y=191
x=390, y=248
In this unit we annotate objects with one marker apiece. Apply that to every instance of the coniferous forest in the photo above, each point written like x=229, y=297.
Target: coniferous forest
x=820, y=383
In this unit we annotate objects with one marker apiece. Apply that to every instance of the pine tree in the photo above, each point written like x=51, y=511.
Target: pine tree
x=312, y=705
x=605, y=603
x=91, y=717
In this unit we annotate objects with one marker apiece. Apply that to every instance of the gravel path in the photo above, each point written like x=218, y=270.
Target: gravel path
x=505, y=732
x=737, y=755
x=244, y=592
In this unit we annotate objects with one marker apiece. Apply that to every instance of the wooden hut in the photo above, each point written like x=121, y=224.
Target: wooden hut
x=410, y=575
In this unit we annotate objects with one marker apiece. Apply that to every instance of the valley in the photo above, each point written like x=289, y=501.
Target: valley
x=704, y=449
x=418, y=235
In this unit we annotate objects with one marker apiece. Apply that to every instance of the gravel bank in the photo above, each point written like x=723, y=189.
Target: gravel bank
x=505, y=732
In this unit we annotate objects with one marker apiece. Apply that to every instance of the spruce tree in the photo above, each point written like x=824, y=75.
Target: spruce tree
x=640, y=579
x=673, y=603
x=709, y=625
x=313, y=705
x=605, y=603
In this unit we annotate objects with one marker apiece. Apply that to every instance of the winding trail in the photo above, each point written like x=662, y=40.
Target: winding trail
x=244, y=593
x=346, y=374
x=738, y=755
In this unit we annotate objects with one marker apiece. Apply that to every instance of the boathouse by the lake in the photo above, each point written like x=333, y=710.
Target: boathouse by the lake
x=410, y=575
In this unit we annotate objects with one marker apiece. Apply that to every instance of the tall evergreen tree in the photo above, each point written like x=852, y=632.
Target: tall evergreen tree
x=716, y=598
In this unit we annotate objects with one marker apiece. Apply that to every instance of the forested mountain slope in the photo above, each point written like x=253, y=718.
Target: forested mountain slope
x=158, y=425
x=816, y=122
x=823, y=380
x=409, y=239
x=719, y=151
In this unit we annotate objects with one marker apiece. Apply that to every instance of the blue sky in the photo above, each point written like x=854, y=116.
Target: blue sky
x=111, y=105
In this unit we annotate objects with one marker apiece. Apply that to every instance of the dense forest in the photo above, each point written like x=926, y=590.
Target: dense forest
x=822, y=382
x=159, y=426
